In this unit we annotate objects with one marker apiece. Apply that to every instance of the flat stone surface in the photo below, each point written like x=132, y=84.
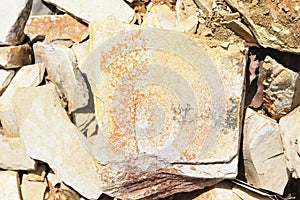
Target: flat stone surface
x=59, y=61
x=9, y=189
x=96, y=9
x=5, y=78
x=290, y=126
x=274, y=24
x=27, y=76
x=38, y=8
x=262, y=150
x=156, y=101
x=32, y=189
x=13, y=154
x=15, y=56
x=281, y=89
x=13, y=17
x=56, y=27
x=59, y=145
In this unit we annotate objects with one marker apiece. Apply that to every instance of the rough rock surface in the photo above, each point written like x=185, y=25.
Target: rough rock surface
x=62, y=70
x=56, y=27
x=13, y=154
x=282, y=89
x=9, y=181
x=5, y=78
x=96, y=9
x=27, y=76
x=290, y=126
x=13, y=16
x=60, y=144
x=262, y=150
x=129, y=85
x=32, y=189
x=15, y=56
x=274, y=24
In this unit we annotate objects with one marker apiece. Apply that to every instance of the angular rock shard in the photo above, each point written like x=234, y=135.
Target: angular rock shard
x=9, y=184
x=13, y=154
x=96, y=9
x=56, y=140
x=32, y=189
x=5, y=78
x=56, y=27
x=165, y=108
x=290, y=126
x=15, y=56
x=13, y=17
x=61, y=66
x=275, y=25
x=262, y=150
x=282, y=89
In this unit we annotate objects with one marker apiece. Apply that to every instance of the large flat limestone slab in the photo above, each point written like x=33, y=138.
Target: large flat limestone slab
x=166, y=107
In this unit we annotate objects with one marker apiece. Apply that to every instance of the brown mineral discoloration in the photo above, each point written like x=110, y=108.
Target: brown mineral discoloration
x=56, y=27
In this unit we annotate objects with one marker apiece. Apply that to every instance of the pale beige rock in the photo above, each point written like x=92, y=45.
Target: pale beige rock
x=147, y=87
x=56, y=27
x=5, y=78
x=15, y=56
x=53, y=179
x=245, y=194
x=81, y=52
x=9, y=185
x=240, y=29
x=290, y=126
x=27, y=76
x=162, y=17
x=264, y=161
x=96, y=9
x=282, y=89
x=13, y=154
x=62, y=70
x=8, y=119
x=206, y=6
x=32, y=189
x=13, y=17
x=38, y=174
x=38, y=8
x=60, y=144
x=220, y=191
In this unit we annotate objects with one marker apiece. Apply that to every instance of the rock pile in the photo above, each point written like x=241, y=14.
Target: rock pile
x=149, y=99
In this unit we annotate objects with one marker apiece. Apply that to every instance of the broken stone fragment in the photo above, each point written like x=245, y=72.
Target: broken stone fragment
x=245, y=194
x=13, y=154
x=27, y=76
x=59, y=145
x=270, y=25
x=153, y=119
x=8, y=119
x=162, y=17
x=282, y=89
x=38, y=8
x=264, y=161
x=62, y=70
x=5, y=78
x=56, y=27
x=13, y=17
x=96, y=10
x=15, y=56
x=290, y=126
x=32, y=189
x=9, y=184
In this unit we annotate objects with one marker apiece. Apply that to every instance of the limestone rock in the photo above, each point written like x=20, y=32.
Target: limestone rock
x=274, y=25
x=81, y=52
x=60, y=144
x=161, y=16
x=290, y=125
x=246, y=194
x=38, y=174
x=56, y=27
x=240, y=29
x=32, y=189
x=13, y=16
x=282, y=89
x=27, y=76
x=8, y=119
x=9, y=184
x=62, y=70
x=146, y=122
x=13, y=154
x=5, y=78
x=15, y=56
x=96, y=9
x=264, y=161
